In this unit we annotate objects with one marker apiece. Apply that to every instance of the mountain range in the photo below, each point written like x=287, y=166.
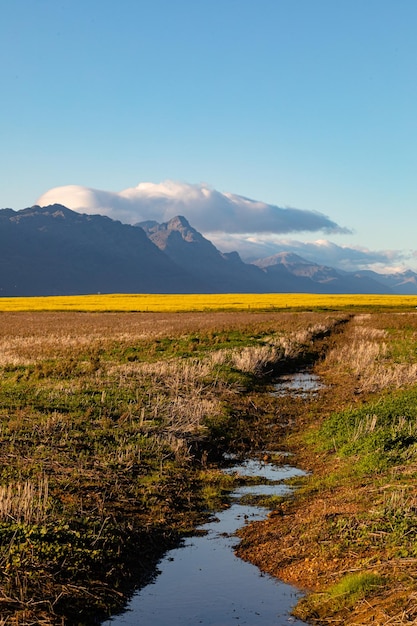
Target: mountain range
x=55, y=251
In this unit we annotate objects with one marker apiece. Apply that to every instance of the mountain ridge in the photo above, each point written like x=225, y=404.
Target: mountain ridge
x=53, y=251
x=190, y=250
x=56, y=251
x=327, y=279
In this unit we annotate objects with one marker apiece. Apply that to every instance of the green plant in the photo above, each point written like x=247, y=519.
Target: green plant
x=341, y=596
x=378, y=434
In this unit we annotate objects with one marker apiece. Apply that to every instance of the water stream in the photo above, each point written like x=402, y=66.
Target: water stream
x=202, y=581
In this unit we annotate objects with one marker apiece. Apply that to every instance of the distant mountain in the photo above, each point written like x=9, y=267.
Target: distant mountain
x=400, y=282
x=297, y=266
x=321, y=278
x=53, y=250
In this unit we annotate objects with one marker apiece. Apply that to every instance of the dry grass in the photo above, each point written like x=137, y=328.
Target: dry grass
x=25, y=502
x=260, y=359
x=29, y=337
x=180, y=398
x=366, y=355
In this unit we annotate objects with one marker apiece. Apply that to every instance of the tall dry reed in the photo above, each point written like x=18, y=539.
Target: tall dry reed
x=25, y=502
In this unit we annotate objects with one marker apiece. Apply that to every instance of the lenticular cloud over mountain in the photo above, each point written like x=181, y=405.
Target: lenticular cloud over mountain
x=206, y=209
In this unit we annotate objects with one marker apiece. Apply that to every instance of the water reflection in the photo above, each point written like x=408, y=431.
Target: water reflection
x=302, y=384
x=203, y=582
x=267, y=471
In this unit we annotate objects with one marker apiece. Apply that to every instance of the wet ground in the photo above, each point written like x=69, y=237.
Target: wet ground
x=203, y=581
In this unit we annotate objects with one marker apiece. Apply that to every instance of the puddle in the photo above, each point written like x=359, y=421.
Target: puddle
x=203, y=582
x=302, y=384
x=267, y=471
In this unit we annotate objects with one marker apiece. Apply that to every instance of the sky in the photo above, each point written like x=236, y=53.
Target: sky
x=270, y=124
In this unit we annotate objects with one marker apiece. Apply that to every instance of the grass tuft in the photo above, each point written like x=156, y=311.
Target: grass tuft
x=341, y=596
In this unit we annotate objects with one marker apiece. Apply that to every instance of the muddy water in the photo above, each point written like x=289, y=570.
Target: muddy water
x=202, y=581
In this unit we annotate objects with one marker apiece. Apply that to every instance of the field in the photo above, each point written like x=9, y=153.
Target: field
x=205, y=302
x=113, y=428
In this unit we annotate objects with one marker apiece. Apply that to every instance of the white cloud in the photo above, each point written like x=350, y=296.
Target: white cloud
x=230, y=221
x=321, y=251
x=206, y=209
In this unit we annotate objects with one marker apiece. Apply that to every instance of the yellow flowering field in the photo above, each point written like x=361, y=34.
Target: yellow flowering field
x=205, y=302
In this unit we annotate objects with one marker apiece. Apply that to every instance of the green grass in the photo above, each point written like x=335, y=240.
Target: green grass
x=340, y=596
x=378, y=434
x=402, y=344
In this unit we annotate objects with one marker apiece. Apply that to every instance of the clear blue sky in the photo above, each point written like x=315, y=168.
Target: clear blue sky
x=303, y=103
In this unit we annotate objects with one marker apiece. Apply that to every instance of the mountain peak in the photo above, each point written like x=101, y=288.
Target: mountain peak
x=178, y=222
x=282, y=258
x=53, y=210
x=170, y=234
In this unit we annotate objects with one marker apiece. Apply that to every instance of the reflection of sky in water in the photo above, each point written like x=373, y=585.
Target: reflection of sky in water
x=203, y=582
x=263, y=490
x=267, y=471
x=302, y=383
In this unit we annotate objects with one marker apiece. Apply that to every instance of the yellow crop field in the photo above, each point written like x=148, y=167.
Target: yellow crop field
x=205, y=302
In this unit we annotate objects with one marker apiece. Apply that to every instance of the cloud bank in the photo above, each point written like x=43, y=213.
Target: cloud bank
x=230, y=221
x=321, y=251
x=206, y=209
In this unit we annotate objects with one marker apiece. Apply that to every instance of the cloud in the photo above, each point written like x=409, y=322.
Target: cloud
x=322, y=252
x=206, y=209
x=230, y=221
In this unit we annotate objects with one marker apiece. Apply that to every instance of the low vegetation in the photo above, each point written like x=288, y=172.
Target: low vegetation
x=113, y=426
x=349, y=536
x=111, y=429
x=208, y=302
